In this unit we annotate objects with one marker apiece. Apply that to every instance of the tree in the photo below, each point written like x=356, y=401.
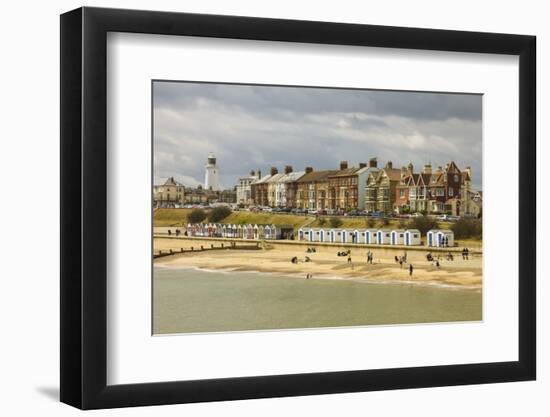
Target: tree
x=423, y=223
x=196, y=216
x=371, y=223
x=467, y=228
x=218, y=214
x=384, y=221
x=335, y=222
x=322, y=221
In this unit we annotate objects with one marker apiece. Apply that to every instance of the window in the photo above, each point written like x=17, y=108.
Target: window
x=401, y=193
x=456, y=178
x=451, y=192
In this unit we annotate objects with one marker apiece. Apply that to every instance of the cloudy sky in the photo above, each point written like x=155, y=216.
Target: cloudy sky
x=256, y=127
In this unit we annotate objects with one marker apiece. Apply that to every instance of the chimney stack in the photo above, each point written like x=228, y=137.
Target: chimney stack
x=469, y=171
x=389, y=165
x=403, y=172
x=343, y=165
x=362, y=165
x=288, y=169
x=373, y=163
x=427, y=169
x=274, y=171
x=259, y=174
x=410, y=168
x=308, y=170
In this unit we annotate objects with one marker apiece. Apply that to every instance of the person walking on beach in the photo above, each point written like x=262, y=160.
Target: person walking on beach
x=411, y=270
x=349, y=259
x=401, y=263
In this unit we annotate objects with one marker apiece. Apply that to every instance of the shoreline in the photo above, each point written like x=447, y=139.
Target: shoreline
x=465, y=275
x=364, y=280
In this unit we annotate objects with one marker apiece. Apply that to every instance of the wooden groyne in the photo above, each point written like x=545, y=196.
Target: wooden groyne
x=204, y=248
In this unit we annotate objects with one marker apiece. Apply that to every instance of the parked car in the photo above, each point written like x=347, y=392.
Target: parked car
x=447, y=218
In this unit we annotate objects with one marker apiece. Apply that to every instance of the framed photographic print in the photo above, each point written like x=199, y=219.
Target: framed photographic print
x=257, y=208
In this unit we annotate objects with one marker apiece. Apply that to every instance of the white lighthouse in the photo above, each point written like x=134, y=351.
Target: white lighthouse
x=211, y=177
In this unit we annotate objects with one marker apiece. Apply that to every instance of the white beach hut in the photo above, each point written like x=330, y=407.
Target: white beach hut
x=321, y=235
x=398, y=237
x=383, y=237
x=431, y=237
x=358, y=236
x=347, y=235
x=301, y=234
x=412, y=237
x=315, y=235
x=336, y=235
x=445, y=238
x=440, y=238
x=370, y=236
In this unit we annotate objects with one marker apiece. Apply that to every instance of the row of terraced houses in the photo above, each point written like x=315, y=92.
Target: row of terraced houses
x=364, y=187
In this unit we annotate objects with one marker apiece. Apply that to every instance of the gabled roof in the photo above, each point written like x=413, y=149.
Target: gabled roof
x=437, y=180
x=316, y=176
x=172, y=181
x=394, y=174
x=453, y=168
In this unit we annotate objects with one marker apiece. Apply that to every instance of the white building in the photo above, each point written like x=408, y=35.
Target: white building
x=212, y=174
x=244, y=188
x=285, y=188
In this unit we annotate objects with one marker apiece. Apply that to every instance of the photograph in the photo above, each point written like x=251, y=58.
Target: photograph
x=299, y=207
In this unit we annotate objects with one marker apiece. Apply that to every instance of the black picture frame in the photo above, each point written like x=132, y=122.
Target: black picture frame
x=84, y=207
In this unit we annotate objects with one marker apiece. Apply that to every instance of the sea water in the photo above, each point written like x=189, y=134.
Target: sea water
x=192, y=300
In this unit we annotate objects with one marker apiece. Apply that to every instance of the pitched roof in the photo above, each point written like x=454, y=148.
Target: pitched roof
x=292, y=176
x=172, y=181
x=275, y=178
x=394, y=174
x=263, y=179
x=317, y=176
x=345, y=172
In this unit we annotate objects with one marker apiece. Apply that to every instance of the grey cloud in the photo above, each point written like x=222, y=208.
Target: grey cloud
x=251, y=127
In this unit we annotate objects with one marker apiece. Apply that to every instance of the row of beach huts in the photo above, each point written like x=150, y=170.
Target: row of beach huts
x=408, y=237
x=240, y=231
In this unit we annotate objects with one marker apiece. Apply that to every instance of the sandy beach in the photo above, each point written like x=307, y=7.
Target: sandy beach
x=325, y=263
